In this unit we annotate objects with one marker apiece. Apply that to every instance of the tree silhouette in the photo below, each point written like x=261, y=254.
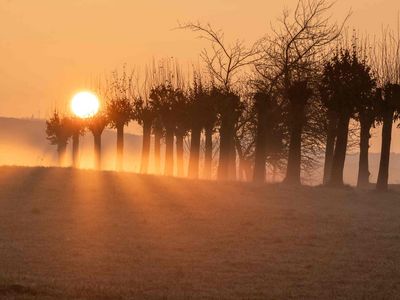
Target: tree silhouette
x=224, y=62
x=229, y=106
x=159, y=133
x=197, y=112
x=144, y=114
x=347, y=83
x=245, y=138
x=164, y=98
x=119, y=108
x=292, y=55
x=386, y=60
x=261, y=107
x=210, y=110
x=58, y=133
x=96, y=124
x=390, y=103
x=331, y=128
x=276, y=135
x=77, y=128
x=298, y=95
x=271, y=107
x=367, y=115
x=181, y=129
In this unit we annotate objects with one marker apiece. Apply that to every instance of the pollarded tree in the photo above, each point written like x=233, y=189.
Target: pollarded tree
x=331, y=127
x=224, y=62
x=144, y=114
x=166, y=89
x=209, y=108
x=366, y=107
x=346, y=84
x=337, y=97
x=229, y=109
x=159, y=133
x=96, y=124
x=261, y=101
x=388, y=111
x=367, y=114
x=120, y=108
x=197, y=112
x=182, y=117
x=245, y=137
x=58, y=133
x=276, y=136
x=298, y=94
x=292, y=55
x=163, y=98
x=268, y=118
x=76, y=127
x=387, y=66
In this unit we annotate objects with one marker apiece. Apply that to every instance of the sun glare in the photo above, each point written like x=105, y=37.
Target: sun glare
x=85, y=104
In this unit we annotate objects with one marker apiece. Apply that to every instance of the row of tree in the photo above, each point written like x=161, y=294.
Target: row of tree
x=275, y=106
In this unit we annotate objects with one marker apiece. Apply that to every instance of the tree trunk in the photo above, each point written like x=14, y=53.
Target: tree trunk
x=232, y=167
x=75, y=150
x=223, y=154
x=294, y=157
x=157, y=151
x=61, y=149
x=194, y=152
x=120, y=147
x=225, y=149
x=293, y=169
x=245, y=170
x=363, y=166
x=330, y=145
x=179, y=155
x=169, y=152
x=242, y=161
x=144, y=166
x=261, y=142
x=248, y=170
x=97, y=150
x=383, y=175
x=208, y=153
x=339, y=156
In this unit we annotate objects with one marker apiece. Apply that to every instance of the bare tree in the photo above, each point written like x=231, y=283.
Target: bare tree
x=291, y=56
x=58, y=133
x=224, y=62
x=145, y=115
x=197, y=99
x=166, y=94
x=245, y=138
x=76, y=128
x=120, y=91
x=386, y=62
x=96, y=124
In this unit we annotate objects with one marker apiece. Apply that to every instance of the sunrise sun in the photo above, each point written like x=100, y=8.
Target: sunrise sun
x=85, y=104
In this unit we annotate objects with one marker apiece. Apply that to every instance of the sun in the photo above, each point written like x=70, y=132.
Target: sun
x=85, y=104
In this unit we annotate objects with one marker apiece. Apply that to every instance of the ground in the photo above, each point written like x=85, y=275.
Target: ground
x=69, y=234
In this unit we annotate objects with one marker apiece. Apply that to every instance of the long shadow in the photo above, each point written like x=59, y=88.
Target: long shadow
x=25, y=185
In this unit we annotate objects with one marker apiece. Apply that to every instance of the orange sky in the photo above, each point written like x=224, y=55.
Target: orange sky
x=49, y=49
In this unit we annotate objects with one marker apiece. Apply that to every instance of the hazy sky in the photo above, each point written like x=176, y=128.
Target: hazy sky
x=49, y=49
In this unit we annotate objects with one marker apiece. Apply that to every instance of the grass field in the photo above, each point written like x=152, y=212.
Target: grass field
x=69, y=234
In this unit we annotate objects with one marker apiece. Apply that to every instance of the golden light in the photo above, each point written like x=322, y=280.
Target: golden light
x=85, y=104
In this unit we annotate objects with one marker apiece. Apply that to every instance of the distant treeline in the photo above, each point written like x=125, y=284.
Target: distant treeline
x=274, y=107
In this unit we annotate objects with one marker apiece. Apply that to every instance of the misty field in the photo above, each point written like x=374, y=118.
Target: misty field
x=69, y=234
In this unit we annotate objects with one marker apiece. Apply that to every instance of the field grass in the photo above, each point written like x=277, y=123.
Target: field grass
x=69, y=234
